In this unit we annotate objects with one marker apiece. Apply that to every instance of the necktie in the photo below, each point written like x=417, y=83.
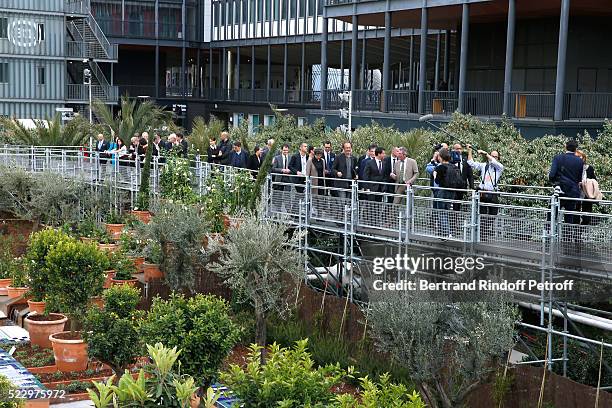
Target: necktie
x=284, y=162
x=379, y=166
x=401, y=175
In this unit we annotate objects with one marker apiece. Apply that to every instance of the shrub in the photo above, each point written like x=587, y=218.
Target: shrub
x=7, y=394
x=40, y=244
x=385, y=394
x=7, y=258
x=19, y=274
x=123, y=266
x=288, y=379
x=75, y=271
x=175, y=180
x=112, y=332
x=200, y=326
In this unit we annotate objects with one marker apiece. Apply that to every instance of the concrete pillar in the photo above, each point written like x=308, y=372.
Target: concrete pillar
x=354, y=52
x=561, y=60
x=324, y=62
x=447, y=39
x=437, y=70
x=237, y=75
x=509, y=56
x=302, y=68
x=268, y=74
x=423, y=60
x=465, y=30
x=386, y=61
x=253, y=73
x=285, y=75
x=363, y=62
x=411, y=59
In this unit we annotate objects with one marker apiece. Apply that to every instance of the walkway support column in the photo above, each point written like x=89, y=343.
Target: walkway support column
x=323, y=64
x=447, y=37
x=268, y=74
x=465, y=31
x=561, y=60
x=354, y=52
x=285, y=76
x=509, y=56
x=386, y=61
x=437, y=72
x=253, y=73
x=423, y=58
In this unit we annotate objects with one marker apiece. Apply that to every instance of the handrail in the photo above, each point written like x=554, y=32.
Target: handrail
x=99, y=34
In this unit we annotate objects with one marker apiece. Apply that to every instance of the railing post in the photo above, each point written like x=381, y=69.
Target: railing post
x=409, y=213
x=155, y=174
x=308, y=199
x=475, y=218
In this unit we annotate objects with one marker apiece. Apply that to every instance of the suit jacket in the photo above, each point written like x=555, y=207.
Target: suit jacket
x=238, y=160
x=362, y=162
x=105, y=146
x=311, y=171
x=254, y=162
x=185, y=147
x=210, y=152
x=411, y=172
x=277, y=168
x=467, y=173
x=295, y=165
x=374, y=176
x=340, y=166
x=225, y=148
x=329, y=163
x=566, y=169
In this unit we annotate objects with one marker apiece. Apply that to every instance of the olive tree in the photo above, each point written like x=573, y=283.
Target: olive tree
x=450, y=348
x=259, y=260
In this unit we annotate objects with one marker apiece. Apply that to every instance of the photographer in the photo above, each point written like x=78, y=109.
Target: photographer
x=467, y=175
x=490, y=174
x=433, y=163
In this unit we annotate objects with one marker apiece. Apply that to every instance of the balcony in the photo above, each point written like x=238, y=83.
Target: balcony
x=80, y=93
x=93, y=50
x=77, y=7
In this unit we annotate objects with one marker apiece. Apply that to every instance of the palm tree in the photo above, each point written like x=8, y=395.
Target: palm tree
x=49, y=132
x=132, y=118
x=201, y=132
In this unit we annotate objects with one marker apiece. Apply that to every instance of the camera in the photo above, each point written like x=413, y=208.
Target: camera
x=437, y=147
x=455, y=157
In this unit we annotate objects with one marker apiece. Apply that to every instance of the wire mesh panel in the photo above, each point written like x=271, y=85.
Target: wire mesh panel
x=382, y=214
x=515, y=227
x=442, y=218
x=587, y=238
x=285, y=200
x=324, y=208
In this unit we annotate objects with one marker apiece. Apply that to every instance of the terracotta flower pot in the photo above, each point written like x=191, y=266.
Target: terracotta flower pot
x=143, y=216
x=114, y=230
x=86, y=240
x=41, y=327
x=3, y=284
x=212, y=237
x=226, y=221
x=107, y=280
x=16, y=292
x=36, y=307
x=108, y=247
x=234, y=222
x=97, y=301
x=138, y=262
x=131, y=282
x=70, y=351
x=37, y=403
x=152, y=272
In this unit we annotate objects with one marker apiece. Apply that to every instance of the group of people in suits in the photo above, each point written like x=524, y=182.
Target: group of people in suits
x=119, y=153
x=374, y=172
x=224, y=152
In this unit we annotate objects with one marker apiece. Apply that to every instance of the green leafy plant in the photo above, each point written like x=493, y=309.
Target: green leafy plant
x=200, y=326
x=175, y=181
x=7, y=258
x=75, y=271
x=383, y=394
x=50, y=132
x=222, y=196
x=201, y=132
x=131, y=244
x=123, y=266
x=259, y=260
x=289, y=378
x=39, y=245
x=114, y=217
x=8, y=393
x=178, y=231
x=144, y=192
x=112, y=332
x=19, y=274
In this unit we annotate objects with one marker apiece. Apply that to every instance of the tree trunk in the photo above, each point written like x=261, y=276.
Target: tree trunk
x=428, y=396
x=260, y=329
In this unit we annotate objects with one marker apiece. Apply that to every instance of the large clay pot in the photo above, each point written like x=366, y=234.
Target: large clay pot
x=107, y=280
x=97, y=301
x=115, y=230
x=41, y=327
x=3, y=284
x=108, y=247
x=131, y=282
x=70, y=351
x=86, y=240
x=143, y=216
x=138, y=262
x=36, y=307
x=16, y=292
x=152, y=272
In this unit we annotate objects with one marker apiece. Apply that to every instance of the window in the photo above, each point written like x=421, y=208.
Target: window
x=41, y=73
x=41, y=32
x=4, y=74
x=3, y=27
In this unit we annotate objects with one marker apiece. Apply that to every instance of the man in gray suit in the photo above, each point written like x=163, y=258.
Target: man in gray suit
x=405, y=173
x=280, y=166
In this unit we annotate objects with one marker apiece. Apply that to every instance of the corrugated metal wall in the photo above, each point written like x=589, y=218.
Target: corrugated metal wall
x=40, y=5
x=28, y=110
x=55, y=34
x=23, y=79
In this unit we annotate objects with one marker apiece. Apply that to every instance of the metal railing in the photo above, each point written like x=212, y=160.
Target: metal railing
x=366, y=100
x=588, y=105
x=440, y=102
x=86, y=50
x=483, y=103
x=77, y=6
x=80, y=93
x=532, y=105
x=402, y=101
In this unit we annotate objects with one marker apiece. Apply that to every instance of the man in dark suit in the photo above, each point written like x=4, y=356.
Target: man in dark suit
x=280, y=167
x=225, y=148
x=297, y=165
x=184, y=145
x=467, y=174
x=212, y=153
x=328, y=157
x=102, y=147
x=389, y=165
x=345, y=170
x=566, y=172
x=374, y=174
x=238, y=158
x=255, y=161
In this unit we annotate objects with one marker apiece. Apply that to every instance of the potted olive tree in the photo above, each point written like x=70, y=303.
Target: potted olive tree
x=19, y=280
x=76, y=275
x=114, y=225
x=7, y=263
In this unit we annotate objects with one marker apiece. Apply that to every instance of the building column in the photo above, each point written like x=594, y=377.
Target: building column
x=342, y=63
x=268, y=74
x=354, y=53
x=447, y=38
x=561, y=60
x=465, y=31
x=199, y=75
x=156, y=71
x=210, y=72
x=411, y=60
x=437, y=71
x=183, y=50
x=237, y=74
x=423, y=59
x=509, y=56
x=323, y=63
x=285, y=75
x=386, y=61
x=302, y=68
x=252, y=73
x=224, y=69
x=363, y=63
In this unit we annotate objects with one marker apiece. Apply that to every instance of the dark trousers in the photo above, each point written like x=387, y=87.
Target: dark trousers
x=587, y=207
x=569, y=205
x=488, y=198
